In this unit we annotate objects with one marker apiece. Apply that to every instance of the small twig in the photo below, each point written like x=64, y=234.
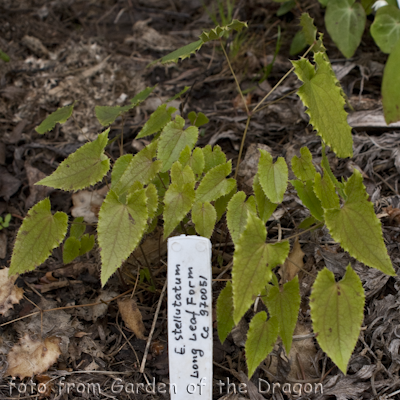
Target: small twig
x=153, y=326
x=242, y=145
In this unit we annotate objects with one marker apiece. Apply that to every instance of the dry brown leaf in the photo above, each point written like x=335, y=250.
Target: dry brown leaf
x=293, y=263
x=30, y=357
x=87, y=204
x=36, y=192
x=9, y=293
x=132, y=317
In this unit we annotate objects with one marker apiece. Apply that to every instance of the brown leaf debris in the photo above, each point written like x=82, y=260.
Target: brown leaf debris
x=132, y=317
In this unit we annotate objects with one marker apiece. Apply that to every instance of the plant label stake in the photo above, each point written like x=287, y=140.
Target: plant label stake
x=190, y=334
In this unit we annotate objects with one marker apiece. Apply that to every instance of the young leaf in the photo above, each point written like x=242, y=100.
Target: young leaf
x=141, y=168
x=81, y=169
x=157, y=121
x=61, y=115
x=4, y=56
x=319, y=88
x=152, y=200
x=204, y=218
x=197, y=119
x=390, y=86
x=303, y=167
x=284, y=305
x=357, y=229
x=178, y=201
x=386, y=28
x=272, y=177
x=337, y=311
x=252, y=263
x=71, y=249
x=106, y=115
x=213, y=157
x=180, y=175
x=143, y=95
x=214, y=184
x=265, y=206
x=309, y=29
x=120, y=229
x=197, y=161
x=225, y=312
x=178, y=95
x=305, y=191
x=345, y=23
x=236, y=216
x=119, y=168
x=78, y=228
x=325, y=191
x=38, y=235
x=173, y=140
x=298, y=44
x=87, y=244
x=181, y=53
x=184, y=157
x=219, y=31
x=261, y=339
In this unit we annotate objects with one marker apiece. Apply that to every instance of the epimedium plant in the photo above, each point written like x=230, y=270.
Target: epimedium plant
x=173, y=179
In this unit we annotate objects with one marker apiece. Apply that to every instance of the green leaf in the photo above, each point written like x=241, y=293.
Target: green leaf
x=181, y=53
x=204, y=218
x=178, y=95
x=285, y=7
x=221, y=203
x=157, y=121
x=325, y=191
x=345, y=23
x=298, y=44
x=213, y=157
x=356, y=227
x=152, y=200
x=180, y=175
x=184, y=157
x=323, y=2
x=81, y=169
x=303, y=167
x=309, y=29
x=236, y=216
x=197, y=161
x=214, y=184
x=284, y=304
x=38, y=235
x=261, y=339
x=219, y=31
x=61, y=115
x=143, y=95
x=391, y=85
x=265, y=206
x=386, y=28
x=198, y=119
x=78, y=227
x=273, y=178
x=71, y=249
x=106, y=115
x=120, y=229
x=178, y=201
x=87, y=244
x=307, y=222
x=253, y=261
x=225, y=312
x=4, y=56
x=320, y=93
x=141, y=168
x=173, y=140
x=305, y=191
x=337, y=312
x=119, y=168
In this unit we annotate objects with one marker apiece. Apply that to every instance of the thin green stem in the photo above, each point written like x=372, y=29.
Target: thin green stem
x=234, y=76
x=242, y=145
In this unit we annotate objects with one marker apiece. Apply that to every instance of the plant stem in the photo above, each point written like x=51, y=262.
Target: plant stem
x=242, y=145
x=234, y=76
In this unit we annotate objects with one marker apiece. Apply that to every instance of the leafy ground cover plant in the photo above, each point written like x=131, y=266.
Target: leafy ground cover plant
x=192, y=187
x=345, y=21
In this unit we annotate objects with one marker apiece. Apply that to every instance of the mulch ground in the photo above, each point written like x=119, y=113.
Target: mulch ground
x=96, y=53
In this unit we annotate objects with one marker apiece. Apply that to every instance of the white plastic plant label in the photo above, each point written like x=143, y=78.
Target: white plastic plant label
x=190, y=334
